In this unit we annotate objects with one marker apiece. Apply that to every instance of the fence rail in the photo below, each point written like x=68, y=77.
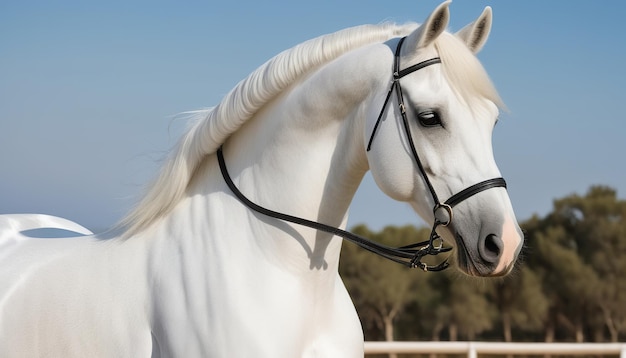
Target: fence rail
x=472, y=349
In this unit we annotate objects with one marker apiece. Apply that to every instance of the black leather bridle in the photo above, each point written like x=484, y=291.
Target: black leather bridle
x=410, y=255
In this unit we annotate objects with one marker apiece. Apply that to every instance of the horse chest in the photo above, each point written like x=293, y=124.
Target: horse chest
x=229, y=309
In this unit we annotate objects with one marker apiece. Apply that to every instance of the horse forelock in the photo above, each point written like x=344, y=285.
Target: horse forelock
x=464, y=71
x=210, y=128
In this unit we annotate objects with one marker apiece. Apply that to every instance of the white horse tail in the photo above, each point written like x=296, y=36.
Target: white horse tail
x=23, y=222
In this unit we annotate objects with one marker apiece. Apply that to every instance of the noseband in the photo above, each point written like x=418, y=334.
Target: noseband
x=410, y=255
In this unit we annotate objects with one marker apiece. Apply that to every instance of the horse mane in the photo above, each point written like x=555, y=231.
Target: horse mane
x=210, y=128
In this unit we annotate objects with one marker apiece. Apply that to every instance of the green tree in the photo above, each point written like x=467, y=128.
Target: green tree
x=596, y=224
x=567, y=281
x=382, y=289
x=579, y=252
x=464, y=308
x=568, y=285
x=521, y=302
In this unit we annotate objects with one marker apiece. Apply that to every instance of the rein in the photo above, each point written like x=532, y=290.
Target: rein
x=405, y=255
x=410, y=255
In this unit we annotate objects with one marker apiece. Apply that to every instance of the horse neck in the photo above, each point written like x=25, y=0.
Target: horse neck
x=303, y=155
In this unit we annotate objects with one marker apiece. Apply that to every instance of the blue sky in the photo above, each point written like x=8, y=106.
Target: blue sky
x=88, y=92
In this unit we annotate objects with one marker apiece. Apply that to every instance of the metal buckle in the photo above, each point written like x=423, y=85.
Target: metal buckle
x=439, y=243
x=448, y=210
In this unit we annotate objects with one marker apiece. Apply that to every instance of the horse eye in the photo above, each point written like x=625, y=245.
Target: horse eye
x=429, y=119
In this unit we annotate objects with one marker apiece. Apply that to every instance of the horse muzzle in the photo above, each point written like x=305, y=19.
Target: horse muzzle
x=492, y=254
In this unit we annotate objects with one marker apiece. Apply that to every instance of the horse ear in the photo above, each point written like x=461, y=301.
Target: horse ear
x=433, y=26
x=475, y=34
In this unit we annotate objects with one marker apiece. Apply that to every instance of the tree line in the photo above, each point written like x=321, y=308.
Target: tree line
x=569, y=284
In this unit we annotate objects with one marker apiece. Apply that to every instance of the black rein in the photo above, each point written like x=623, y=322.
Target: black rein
x=402, y=255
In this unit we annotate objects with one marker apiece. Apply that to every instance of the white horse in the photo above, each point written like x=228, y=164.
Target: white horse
x=193, y=272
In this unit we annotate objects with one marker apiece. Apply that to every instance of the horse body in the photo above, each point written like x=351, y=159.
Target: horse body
x=203, y=276
x=73, y=297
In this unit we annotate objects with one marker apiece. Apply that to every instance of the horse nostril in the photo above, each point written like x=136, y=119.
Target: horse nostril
x=490, y=248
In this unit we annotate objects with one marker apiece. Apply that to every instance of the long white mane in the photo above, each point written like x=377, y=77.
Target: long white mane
x=212, y=127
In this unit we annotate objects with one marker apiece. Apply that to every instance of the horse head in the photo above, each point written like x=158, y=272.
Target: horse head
x=432, y=140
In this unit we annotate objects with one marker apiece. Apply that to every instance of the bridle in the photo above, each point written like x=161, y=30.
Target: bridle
x=410, y=255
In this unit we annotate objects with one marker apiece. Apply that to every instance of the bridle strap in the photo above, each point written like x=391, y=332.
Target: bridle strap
x=403, y=255
x=395, y=84
x=419, y=66
x=475, y=189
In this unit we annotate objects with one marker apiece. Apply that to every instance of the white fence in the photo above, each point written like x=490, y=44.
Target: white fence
x=472, y=349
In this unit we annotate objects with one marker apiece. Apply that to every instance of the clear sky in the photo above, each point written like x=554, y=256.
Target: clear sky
x=88, y=91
